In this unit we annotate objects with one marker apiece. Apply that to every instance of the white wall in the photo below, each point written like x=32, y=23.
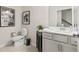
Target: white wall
x=6, y=31
x=77, y=17
x=38, y=16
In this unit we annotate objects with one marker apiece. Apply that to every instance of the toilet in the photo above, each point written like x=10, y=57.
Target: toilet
x=19, y=39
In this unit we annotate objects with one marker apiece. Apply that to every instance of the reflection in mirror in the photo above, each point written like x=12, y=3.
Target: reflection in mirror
x=64, y=18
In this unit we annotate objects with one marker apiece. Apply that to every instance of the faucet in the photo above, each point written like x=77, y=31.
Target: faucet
x=62, y=27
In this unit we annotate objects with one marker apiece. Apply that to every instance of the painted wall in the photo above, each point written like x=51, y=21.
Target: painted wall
x=6, y=31
x=38, y=16
x=76, y=14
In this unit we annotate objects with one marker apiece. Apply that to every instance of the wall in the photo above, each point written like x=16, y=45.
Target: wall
x=6, y=31
x=38, y=16
x=77, y=17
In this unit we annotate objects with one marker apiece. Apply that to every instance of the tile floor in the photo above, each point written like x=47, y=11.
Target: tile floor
x=19, y=49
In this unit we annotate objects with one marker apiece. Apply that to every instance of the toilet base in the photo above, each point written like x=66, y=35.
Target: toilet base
x=18, y=43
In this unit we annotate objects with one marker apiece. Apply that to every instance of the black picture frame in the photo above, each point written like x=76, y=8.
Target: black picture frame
x=7, y=17
x=26, y=17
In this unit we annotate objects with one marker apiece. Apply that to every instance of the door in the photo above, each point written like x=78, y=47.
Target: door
x=49, y=46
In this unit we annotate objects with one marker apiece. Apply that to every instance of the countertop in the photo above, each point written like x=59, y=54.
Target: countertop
x=61, y=32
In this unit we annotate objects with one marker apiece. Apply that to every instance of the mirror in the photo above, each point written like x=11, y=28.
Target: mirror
x=64, y=17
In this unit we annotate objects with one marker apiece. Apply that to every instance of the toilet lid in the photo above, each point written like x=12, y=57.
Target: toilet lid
x=24, y=31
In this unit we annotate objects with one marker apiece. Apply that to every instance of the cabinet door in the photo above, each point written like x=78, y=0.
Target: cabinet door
x=69, y=48
x=49, y=46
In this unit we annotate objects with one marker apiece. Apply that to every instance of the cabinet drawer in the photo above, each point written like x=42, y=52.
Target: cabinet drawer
x=47, y=35
x=60, y=38
x=73, y=40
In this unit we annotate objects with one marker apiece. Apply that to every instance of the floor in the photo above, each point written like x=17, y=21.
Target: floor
x=19, y=49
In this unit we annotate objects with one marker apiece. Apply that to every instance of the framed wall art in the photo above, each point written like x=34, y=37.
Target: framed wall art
x=26, y=17
x=7, y=17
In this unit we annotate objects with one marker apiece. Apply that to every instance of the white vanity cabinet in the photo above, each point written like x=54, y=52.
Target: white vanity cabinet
x=48, y=44
x=58, y=43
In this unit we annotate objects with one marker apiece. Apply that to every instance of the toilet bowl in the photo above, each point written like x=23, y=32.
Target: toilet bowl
x=19, y=39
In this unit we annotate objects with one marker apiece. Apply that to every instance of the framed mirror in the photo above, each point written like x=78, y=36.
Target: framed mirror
x=64, y=17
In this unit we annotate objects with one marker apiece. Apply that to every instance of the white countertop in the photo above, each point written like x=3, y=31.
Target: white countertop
x=57, y=31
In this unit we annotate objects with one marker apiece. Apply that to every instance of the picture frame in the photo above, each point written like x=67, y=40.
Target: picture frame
x=26, y=17
x=7, y=17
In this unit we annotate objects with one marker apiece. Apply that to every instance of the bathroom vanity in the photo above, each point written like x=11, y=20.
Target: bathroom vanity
x=58, y=42
x=60, y=37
